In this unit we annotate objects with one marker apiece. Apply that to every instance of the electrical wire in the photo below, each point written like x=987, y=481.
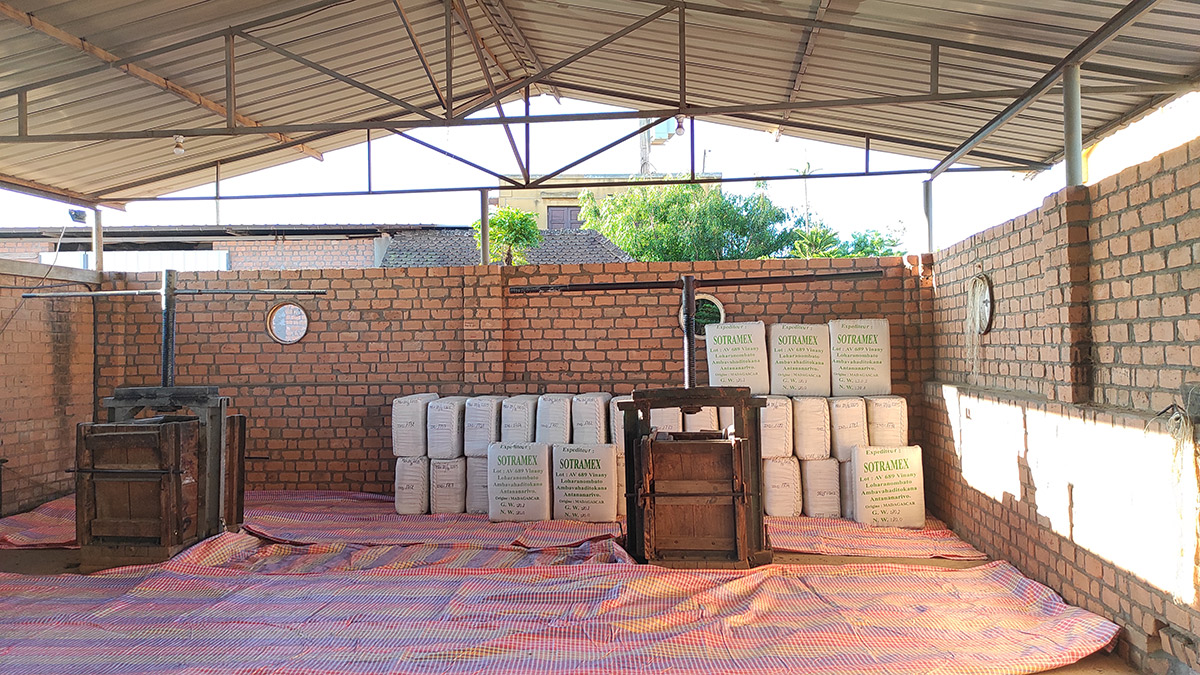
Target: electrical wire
x=41, y=282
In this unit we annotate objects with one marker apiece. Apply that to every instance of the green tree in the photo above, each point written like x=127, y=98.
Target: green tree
x=870, y=244
x=816, y=241
x=690, y=222
x=511, y=232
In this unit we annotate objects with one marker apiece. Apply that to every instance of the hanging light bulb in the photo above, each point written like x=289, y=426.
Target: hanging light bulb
x=178, y=150
x=778, y=134
x=679, y=128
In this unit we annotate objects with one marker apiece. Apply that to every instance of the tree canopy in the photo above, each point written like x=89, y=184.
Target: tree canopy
x=818, y=241
x=511, y=232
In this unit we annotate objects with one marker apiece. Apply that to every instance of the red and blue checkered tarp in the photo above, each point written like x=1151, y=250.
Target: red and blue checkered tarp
x=837, y=536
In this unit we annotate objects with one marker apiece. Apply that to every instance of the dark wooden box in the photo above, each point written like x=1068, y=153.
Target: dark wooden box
x=695, y=498
x=139, y=490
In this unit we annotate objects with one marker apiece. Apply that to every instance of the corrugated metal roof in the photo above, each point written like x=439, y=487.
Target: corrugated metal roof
x=738, y=52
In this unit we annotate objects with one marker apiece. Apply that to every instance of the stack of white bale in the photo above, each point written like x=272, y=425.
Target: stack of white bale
x=585, y=482
x=811, y=431
x=887, y=420
x=589, y=418
x=518, y=419
x=706, y=419
x=444, y=424
x=616, y=422
x=409, y=434
x=519, y=482
x=554, y=419
x=666, y=419
x=448, y=485
x=737, y=356
x=848, y=419
x=820, y=481
x=860, y=357
x=775, y=435
x=477, y=484
x=782, y=495
x=481, y=429
x=800, y=359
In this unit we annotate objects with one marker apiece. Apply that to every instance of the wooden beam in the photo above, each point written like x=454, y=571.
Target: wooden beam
x=58, y=194
x=30, y=21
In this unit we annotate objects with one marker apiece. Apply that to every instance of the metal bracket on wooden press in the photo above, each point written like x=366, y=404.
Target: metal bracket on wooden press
x=688, y=285
x=168, y=293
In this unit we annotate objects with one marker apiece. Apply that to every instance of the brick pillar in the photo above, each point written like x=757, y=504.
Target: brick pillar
x=483, y=328
x=1066, y=321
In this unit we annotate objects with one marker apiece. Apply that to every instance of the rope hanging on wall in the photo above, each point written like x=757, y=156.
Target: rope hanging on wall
x=978, y=320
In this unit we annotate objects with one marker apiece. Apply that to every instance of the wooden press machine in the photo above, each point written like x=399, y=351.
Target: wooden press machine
x=146, y=488
x=694, y=498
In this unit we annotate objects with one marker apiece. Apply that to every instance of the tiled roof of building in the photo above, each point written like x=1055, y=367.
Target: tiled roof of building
x=456, y=247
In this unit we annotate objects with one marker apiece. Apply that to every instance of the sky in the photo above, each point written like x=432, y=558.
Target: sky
x=963, y=203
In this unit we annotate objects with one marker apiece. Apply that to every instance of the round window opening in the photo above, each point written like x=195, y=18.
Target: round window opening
x=287, y=323
x=709, y=310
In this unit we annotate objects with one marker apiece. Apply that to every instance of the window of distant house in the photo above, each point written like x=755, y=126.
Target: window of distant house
x=563, y=218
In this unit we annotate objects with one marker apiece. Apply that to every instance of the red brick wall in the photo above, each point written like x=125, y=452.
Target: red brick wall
x=1039, y=443
x=298, y=254
x=46, y=388
x=26, y=251
x=321, y=408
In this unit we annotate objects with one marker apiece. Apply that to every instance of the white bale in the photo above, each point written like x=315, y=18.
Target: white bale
x=811, y=431
x=412, y=485
x=518, y=482
x=848, y=418
x=775, y=435
x=444, y=426
x=616, y=422
x=846, y=487
x=589, y=417
x=477, y=484
x=819, y=481
x=554, y=418
x=448, y=485
x=481, y=424
x=585, y=482
x=518, y=419
x=860, y=357
x=408, y=424
x=704, y=420
x=887, y=420
x=666, y=419
x=725, y=417
x=781, y=487
x=890, y=488
x=737, y=356
x=799, y=359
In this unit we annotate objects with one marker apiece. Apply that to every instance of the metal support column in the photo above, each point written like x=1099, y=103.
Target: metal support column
x=1072, y=126
x=927, y=188
x=97, y=241
x=168, y=328
x=689, y=331
x=485, y=245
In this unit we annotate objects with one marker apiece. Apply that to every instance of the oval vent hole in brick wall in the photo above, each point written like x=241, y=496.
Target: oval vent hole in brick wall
x=709, y=310
x=287, y=323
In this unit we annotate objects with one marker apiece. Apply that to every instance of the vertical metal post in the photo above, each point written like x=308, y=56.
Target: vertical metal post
x=867, y=155
x=682, y=59
x=22, y=113
x=230, y=88
x=449, y=62
x=97, y=241
x=692, y=146
x=928, y=192
x=1072, y=126
x=485, y=244
x=689, y=331
x=167, y=294
x=217, y=202
x=369, y=188
x=528, y=161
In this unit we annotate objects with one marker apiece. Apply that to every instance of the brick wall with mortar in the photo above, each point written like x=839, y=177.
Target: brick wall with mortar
x=320, y=409
x=1039, y=440
x=298, y=254
x=26, y=251
x=46, y=387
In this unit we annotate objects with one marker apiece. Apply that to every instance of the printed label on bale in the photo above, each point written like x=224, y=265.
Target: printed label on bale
x=889, y=488
x=860, y=357
x=585, y=482
x=799, y=359
x=737, y=356
x=518, y=481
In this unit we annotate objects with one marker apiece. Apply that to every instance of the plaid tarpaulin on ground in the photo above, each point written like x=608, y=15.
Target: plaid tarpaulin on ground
x=51, y=525
x=361, y=518
x=891, y=619
x=248, y=553
x=835, y=536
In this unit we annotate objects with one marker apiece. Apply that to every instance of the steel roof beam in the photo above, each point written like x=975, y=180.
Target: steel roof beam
x=671, y=110
x=1014, y=54
x=476, y=42
x=412, y=36
x=504, y=22
x=1090, y=45
x=804, y=53
x=456, y=158
x=141, y=73
x=57, y=194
